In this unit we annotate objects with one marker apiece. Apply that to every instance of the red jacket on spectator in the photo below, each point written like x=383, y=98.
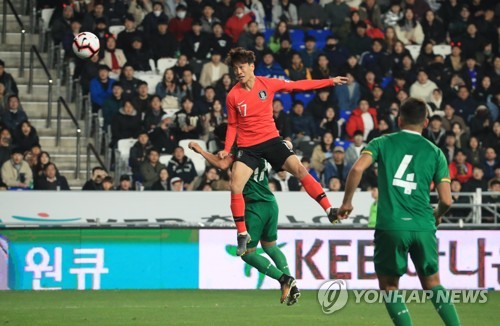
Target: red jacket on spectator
x=462, y=177
x=355, y=121
x=235, y=26
x=179, y=27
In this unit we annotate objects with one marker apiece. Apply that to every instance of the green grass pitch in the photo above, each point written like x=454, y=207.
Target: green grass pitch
x=172, y=307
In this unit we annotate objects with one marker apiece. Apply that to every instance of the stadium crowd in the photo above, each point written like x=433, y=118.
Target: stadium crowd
x=389, y=50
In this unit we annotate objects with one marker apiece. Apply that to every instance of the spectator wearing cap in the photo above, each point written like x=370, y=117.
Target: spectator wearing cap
x=337, y=13
x=286, y=11
x=139, y=9
x=164, y=136
x=151, y=20
x=247, y=38
x=176, y=184
x=409, y=30
x=165, y=43
x=435, y=132
x=141, y=97
x=101, y=88
x=126, y=123
x=126, y=37
x=236, y=24
x=187, y=123
x=221, y=42
x=16, y=172
x=310, y=53
x=13, y=114
x=50, y=180
x=7, y=80
x=150, y=169
x=363, y=119
x=90, y=18
x=163, y=183
x=154, y=114
x=196, y=44
x=464, y=104
x=181, y=23
x=269, y=68
x=138, y=153
x=112, y=105
x=460, y=169
x=357, y=41
x=336, y=166
x=353, y=152
x=114, y=58
x=61, y=25
x=125, y=183
x=224, y=9
x=208, y=19
x=423, y=87
x=182, y=166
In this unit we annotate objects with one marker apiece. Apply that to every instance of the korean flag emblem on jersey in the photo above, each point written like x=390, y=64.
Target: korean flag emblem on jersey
x=262, y=95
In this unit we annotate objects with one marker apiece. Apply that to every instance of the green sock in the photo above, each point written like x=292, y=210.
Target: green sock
x=446, y=309
x=262, y=264
x=278, y=258
x=398, y=311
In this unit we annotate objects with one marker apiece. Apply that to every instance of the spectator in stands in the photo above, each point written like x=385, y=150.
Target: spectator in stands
x=492, y=139
x=393, y=15
x=208, y=19
x=3, y=98
x=426, y=55
x=357, y=41
x=162, y=183
x=409, y=30
x=334, y=184
x=90, y=18
x=319, y=104
x=212, y=71
x=370, y=10
x=449, y=148
x=458, y=25
x=67, y=40
x=390, y=40
x=280, y=33
x=490, y=163
x=181, y=65
x=423, y=87
x=52, y=181
x=150, y=169
x=322, y=152
x=33, y=163
x=269, y=68
x=154, y=114
x=464, y=104
x=43, y=161
x=450, y=118
x=475, y=154
x=125, y=124
x=112, y=105
x=138, y=153
x=139, y=56
x=181, y=166
x=223, y=87
x=297, y=70
x=376, y=60
x=14, y=113
x=330, y=123
x=383, y=129
x=306, y=162
x=460, y=169
x=257, y=9
x=354, y=150
x=163, y=137
x=336, y=52
x=186, y=122
x=101, y=88
x=281, y=120
x=113, y=58
x=177, y=184
x=125, y=183
x=260, y=47
x=435, y=132
x=378, y=101
x=165, y=43
x=61, y=25
x=286, y=182
x=433, y=28
x=398, y=53
x=196, y=44
x=363, y=119
x=169, y=91
x=220, y=42
x=303, y=127
x=214, y=119
x=87, y=70
x=336, y=166
x=126, y=37
x=337, y=14
x=128, y=81
x=191, y=88
x=181, y=23
x=247, y=38
x=141, y=97
x=477, y=181
x=455, y=61
x=107, y=183
x=25, y=136
x=237, y=23
x=205, y=105
x=310, y=53
x=16, y=172
x=209, y=177
x=312, y=15
x=286, y=11
x=101, y=30
x=115, y=10
x=408, y=69
x=348, y=95
x=460, y=134
x=5, y=145
x=458, y=212
x=472, y=73
x=436, y=103
x=152, y=19
x=321, y=68
x=139, y=9
x=224, y=9
x=484, y=90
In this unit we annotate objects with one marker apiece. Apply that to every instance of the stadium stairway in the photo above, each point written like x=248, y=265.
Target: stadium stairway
x=36, y=103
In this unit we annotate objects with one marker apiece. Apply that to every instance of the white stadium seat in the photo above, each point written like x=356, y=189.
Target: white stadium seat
x=122, y=155
x=414, y=51
x=46, y=15
x=442, y=49
x=165, y=158
x=151, y=79
x=116, y=29
x=165, y=63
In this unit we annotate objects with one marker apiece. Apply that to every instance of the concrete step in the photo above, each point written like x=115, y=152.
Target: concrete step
x=69, y=150
x=14, y=58
x=38, y=72
x=15, y=38
x=68, y=142
x=66, y=124
x=38, y=110
x=70, y=175
x=65, y=158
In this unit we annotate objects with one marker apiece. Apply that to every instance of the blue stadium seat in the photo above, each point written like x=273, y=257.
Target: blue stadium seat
x=268, y=33
x=320, y=35
x=286, y=99
x=345, y=114
x=344, y=143
x=297, y=46
x=304, y=97
x=385, y=82
x=297, y=35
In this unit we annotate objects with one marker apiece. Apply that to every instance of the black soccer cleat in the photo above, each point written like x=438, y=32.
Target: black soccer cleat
x=293, y=297
x=333, y=216
x=243, y=240
x=287, y=283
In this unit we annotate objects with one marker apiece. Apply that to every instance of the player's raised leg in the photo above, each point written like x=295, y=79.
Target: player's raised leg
x=239, y=177
x=441, y=301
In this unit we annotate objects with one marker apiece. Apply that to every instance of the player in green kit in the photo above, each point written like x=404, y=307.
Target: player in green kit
x=261, y=219
x=406, y=222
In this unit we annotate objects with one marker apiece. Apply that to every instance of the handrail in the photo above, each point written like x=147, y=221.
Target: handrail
x=62, y=103
x=91, y=149
x=23, y=31
x=34, y=50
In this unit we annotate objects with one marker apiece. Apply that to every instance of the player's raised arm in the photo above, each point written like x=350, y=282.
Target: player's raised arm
x=280, y=85
x=214, y=160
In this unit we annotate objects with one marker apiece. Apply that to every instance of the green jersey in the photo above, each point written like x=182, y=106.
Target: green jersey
x=407, y=165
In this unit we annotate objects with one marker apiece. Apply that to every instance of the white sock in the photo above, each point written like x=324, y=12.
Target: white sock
x=243, y=233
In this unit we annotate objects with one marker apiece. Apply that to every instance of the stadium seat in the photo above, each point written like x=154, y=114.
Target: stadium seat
x=122, y=154
x=151, y=79
x=286, y=99
x=304, y=97
x=46, y=15
x=165, y=158
x=198, y=160
x=297, y=36
x=414, y=51
x=116, y=29
x=345, y=114
x=385, y=82
x=153, y=65
x=320, y=35
x=268, y=33
x=442, y=49
x=298, y=45
x=344, y=143
x=164, y=63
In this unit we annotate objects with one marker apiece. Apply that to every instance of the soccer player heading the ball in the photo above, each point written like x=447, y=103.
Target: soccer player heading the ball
x=251, y=124
x=406, y=223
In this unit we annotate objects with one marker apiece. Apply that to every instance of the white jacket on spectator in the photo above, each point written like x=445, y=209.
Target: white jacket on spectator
x=10, y=175
x=423, y=91
x=413, y=36
x=120, y=56
x=138, y=11
x=291, y=15
x=211, y=73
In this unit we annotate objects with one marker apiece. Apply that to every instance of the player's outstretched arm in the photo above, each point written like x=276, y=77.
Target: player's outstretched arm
x=306, y=85
x=353, y=179
x=444, y=204
x=213, y=159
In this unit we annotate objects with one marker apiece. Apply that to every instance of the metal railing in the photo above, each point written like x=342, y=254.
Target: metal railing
x=34, y=52
x=23, y=32
x=61, y=103
x=91, y=150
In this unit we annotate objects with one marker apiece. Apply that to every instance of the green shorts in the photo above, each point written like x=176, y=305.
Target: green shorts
x=261, y=219
x=392, y=248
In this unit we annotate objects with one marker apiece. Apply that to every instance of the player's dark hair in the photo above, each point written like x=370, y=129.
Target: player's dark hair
x=413, y=111
x=239, y=55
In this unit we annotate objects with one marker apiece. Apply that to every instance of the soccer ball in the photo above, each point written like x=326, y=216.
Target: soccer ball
x=86, y=45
